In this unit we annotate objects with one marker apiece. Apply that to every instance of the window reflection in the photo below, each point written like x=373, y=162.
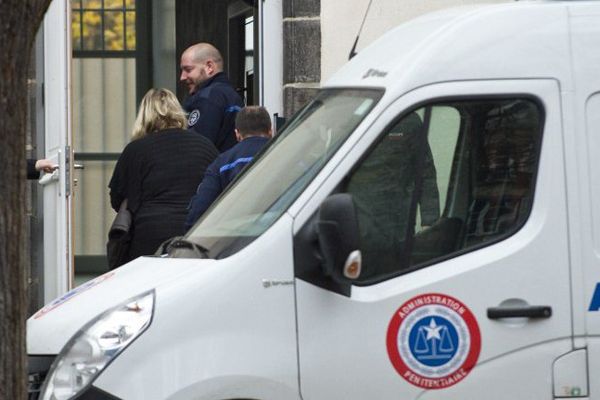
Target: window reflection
x=111, y=4
x=76, y=28
x=130, y=30
x=114, y=30
x=92, y=30
x=107, y=25
x=449, y=178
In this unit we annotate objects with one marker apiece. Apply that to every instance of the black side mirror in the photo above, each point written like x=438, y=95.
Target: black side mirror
x=339, y=238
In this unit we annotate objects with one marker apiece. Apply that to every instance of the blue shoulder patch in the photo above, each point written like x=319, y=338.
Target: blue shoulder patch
x=234, y=108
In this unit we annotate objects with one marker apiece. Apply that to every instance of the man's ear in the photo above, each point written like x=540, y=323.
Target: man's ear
x=212, y=67
x=238, y=136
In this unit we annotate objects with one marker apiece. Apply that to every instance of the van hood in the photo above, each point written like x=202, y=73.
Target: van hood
x=52, y=326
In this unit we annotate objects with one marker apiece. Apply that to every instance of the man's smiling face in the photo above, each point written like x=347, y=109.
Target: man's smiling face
x=193, y=72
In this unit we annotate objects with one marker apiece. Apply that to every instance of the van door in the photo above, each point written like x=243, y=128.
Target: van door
x=58, y=261
x=459, y=195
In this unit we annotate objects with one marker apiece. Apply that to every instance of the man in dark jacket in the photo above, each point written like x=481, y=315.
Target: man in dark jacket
x=212, y=102
x=253, y=131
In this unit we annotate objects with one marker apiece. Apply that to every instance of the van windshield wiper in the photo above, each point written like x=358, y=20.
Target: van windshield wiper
x=179, y=247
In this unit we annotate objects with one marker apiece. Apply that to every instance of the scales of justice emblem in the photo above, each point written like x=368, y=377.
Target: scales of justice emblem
x=433, y=341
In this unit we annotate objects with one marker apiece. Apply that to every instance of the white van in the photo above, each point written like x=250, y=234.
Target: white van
x=426, y=228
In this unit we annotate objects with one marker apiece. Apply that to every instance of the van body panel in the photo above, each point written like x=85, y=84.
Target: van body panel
x=588, y=285
x=585, y=169
x=536, y=256
x=221, y=331
x=585, y=25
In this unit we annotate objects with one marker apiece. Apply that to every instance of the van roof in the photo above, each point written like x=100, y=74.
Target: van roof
x=502, y=41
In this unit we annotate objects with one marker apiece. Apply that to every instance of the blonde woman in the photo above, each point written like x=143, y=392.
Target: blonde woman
x=159, y=171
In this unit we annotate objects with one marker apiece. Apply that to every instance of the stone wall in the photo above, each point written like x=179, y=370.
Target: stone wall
x=301, y=52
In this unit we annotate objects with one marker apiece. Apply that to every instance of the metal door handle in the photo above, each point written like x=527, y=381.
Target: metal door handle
x=49, y=178
x=519, y=312
x=78, y=166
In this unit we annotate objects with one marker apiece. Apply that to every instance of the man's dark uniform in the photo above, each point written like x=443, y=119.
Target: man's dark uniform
x=32, y=173
x=220, y=173
x=212, y=109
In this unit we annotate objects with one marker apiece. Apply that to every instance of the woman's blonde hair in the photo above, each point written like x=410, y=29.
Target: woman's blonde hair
x=159, y=110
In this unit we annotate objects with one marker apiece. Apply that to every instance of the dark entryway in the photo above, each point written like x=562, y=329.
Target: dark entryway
x=231, y=27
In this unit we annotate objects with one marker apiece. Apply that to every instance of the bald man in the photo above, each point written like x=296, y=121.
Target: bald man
x=212, y=102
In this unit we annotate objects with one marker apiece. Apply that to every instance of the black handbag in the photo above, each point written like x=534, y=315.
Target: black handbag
x=119, y=238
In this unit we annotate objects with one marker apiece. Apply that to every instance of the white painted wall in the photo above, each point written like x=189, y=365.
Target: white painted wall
x=340, y=21
x=271, y=55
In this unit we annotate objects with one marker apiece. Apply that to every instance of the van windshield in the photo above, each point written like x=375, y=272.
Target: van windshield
x=284, y=169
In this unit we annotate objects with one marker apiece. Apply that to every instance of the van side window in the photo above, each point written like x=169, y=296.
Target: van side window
x=444, y=179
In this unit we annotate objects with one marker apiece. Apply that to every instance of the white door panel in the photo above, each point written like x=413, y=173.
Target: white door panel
x=58, y=264
x=346, y=344
x=271, y=54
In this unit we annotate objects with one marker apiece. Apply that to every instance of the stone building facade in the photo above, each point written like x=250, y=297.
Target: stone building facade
x=301, y=52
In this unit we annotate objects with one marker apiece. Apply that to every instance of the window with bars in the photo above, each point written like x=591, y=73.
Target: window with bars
x=103, y=26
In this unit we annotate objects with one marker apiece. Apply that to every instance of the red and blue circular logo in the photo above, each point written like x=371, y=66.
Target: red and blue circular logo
x=433, y=341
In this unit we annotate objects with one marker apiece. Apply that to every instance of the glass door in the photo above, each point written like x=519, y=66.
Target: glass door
x=109, y=75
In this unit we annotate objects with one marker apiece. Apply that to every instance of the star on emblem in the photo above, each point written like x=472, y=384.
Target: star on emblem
x=433, y=331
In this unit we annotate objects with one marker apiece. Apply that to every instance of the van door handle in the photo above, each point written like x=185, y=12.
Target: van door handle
x=519, y=312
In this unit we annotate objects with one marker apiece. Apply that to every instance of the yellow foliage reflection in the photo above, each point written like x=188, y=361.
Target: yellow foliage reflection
x=87, y=25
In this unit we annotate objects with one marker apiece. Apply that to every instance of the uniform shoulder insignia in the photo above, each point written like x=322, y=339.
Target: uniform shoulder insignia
x=193, y=117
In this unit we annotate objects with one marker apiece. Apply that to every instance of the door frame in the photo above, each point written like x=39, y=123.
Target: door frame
x=57, y=192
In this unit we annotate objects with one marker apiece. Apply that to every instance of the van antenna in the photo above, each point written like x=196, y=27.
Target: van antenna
x=353, y=51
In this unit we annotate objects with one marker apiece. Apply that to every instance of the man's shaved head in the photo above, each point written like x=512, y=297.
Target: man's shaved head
x=199, y=63
x=205, y=51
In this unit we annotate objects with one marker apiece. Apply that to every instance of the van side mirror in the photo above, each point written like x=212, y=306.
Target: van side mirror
x=339, y=238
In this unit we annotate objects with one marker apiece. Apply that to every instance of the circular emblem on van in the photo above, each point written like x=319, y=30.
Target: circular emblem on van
x=193, y=117
x=433, y=341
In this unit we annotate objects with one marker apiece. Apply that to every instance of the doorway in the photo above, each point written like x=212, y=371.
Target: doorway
x=121, y=48
x=231, y=27
x=241, y=42
x=111, y=64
